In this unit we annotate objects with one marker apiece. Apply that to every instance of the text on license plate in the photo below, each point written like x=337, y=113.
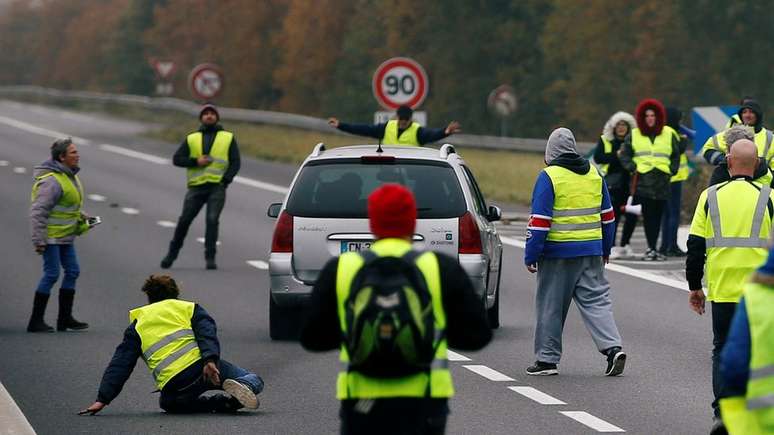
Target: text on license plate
x=354, y=246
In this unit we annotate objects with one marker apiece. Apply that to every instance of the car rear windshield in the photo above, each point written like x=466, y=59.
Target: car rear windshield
x=340, y=188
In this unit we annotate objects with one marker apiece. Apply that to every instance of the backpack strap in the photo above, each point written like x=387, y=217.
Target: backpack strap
x=412, y=255
x=368, y=256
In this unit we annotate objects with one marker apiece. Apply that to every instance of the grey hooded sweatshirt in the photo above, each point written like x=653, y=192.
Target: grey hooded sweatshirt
x=49, y=193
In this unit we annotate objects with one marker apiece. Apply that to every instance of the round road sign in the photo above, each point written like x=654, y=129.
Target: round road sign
x=503, y=101
x=205, y=81
x=400, y=81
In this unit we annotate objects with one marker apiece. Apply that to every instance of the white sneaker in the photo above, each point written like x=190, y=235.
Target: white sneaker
x=627, y=251
x=615, y=253
x=241, y=392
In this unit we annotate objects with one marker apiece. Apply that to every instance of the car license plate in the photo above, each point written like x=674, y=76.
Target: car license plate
x=347, y=246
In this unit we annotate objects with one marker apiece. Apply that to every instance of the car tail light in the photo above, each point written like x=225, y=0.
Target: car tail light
x=470, y=238
x=283, y=234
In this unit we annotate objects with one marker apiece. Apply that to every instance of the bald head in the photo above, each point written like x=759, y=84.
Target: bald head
x=742, y=158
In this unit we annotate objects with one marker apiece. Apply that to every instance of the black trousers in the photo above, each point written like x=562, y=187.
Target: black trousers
x=652, y=209
x=214, y=195
x=399, y=416
x=722, y=314
x=618, y=199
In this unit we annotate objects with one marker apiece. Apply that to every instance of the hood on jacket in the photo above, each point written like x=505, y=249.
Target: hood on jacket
x=561, y=151
x=673, y=117
x=639, y=114
x=756, y=108
x=51, y=165
x=608, y=131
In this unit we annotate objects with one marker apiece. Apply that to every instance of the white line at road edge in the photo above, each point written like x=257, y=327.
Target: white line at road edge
x=136, y=154
x=42, y=131
x=12, y=420
x=537, y=395
x=647, y=276
x=261, y=185
x=492, y=375
x=258, y=264
x=589, y=420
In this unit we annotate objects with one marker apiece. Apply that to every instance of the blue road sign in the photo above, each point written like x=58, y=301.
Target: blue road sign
x=708, y=121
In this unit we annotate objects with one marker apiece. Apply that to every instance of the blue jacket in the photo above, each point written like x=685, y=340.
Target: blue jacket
x=126, y=354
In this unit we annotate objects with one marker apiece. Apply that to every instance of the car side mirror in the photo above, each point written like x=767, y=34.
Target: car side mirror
x=494, y=213
x=274, y=209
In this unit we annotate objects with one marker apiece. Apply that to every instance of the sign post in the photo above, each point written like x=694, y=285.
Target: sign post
x=205, y=81
x=397, y=82
x=503, y=102
x=164, y=69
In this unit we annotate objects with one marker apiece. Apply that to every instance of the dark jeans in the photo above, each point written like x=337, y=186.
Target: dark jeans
x=722, y=313
x=670, y=219
x=400, y=416
x=53, y=256
x=184, y=399
x=630, y=221
x=652, y=209
x=214, y=195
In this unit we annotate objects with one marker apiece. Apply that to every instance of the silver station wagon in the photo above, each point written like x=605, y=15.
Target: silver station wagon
x=325, y=214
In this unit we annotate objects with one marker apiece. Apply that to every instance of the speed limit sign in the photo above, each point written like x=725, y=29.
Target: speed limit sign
x=400, y=81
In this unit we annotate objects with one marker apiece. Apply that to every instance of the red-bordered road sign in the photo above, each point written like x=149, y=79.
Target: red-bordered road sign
x=205, y=81
x=163, y=68
x=400, y=81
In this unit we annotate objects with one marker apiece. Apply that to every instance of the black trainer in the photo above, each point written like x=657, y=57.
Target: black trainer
x=616, y=361
x=542, y=369
x=210, y=264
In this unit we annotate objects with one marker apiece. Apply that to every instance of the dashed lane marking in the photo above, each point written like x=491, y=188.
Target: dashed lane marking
x=130, y=211
x=136, y=154
x=454, y=356
x=42, y=131
x=591, y=421
x=537, y=395
x=492, y=375
x=258, y=264
x=201, y=240
x=96, y=198
x=20, y=170
x=166, y=224
x=4, y=163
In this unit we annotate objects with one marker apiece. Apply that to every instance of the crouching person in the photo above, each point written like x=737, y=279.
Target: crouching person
x=179, y=343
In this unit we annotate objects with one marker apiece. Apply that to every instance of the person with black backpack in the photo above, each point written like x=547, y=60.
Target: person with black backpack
x=393, y=312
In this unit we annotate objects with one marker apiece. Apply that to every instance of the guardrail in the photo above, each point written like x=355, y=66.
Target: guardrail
x=268, y=117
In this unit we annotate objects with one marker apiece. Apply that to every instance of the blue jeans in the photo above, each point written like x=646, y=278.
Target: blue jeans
x=670, y=219
x=53, y=256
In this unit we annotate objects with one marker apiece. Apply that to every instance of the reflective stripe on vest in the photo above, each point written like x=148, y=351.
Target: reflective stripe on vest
x=213, y=172
x=608, y=148
x=652, y=155
x=353, y=385
x=577, y=205
x=684, y=171
x=759, y=302
x=763, y=141
x=753, y=240
x=167, y=339
x=65, y=218
x=408, y=137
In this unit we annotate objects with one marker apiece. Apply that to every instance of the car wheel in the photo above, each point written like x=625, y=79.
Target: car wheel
x=282, y=322
x=493, y=313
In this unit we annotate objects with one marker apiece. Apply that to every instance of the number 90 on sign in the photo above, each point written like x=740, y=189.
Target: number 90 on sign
x=400, y=84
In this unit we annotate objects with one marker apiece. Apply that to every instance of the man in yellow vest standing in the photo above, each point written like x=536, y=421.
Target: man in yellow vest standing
x=211, y=158
x=354, y=301
x=730, y=229
x=747, y=360
x=401, y=131
x=56, y=219
x=178, y=341
x=569, y=236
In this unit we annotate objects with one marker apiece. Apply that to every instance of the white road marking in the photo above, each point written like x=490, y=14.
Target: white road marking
x=261, y=185
x=258, y=264
x=136, y=154
x=454, y=356
x=42, y=131
x=492, y=375
x=537, y=395
x=96, y=198
x=647, y=276
x=4, y=163
x=20, y=170
x=130, y=211
x=12, y=420
x=201, y=240
x=166, y=224
x=589, y=420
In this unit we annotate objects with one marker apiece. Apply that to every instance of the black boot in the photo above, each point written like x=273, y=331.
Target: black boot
x=66, y=320
x=209, y=259
x=37, y=324
x=171, y=256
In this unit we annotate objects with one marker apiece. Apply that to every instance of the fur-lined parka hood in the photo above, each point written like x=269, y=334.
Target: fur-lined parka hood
x=608, y=132
x=656, y=106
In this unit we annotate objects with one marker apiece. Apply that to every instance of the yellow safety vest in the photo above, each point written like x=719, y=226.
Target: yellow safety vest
x=577, y=205
x=408, y=137
x=754, y=413
x=168, y=341
x=652, y=155
x=353, y=385
x=684, y=171
x=736, y=228
x=65, y=218
x=212, y=173
x=608, y=148
x=763, y=140
x=733, y=120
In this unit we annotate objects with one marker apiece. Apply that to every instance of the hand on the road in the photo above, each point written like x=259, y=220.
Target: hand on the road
x=333, y=122
x=93, y=409
x=203, y=161
x=211, y=373
x=696, y=300
x=40, y=249
x=453, y=127
x=532, y=268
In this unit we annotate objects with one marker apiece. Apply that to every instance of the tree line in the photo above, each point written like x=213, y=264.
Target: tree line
x=571, y=62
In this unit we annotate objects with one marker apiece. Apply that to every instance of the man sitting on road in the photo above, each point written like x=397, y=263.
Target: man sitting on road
x=399, y=132
x=178, y=341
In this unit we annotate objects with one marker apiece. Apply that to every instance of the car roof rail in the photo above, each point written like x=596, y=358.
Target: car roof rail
x=318, y=149
x=447, y=149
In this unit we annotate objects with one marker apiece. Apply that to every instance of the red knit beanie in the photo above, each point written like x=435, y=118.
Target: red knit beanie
x=392, y=211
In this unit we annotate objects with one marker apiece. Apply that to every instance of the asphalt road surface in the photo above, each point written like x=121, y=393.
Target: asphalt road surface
x=666, y=387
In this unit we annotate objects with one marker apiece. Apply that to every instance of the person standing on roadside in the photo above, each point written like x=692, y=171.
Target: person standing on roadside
x=730, y=232
x=670, y=219
x=375, y=397
x=616, y=177
x=401, y=131
x=652, y=153
x=211, y=158
x=56, y=219
x=569, y=236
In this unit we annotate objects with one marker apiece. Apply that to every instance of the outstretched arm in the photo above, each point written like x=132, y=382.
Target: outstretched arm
x=118, y=371
x=375, y=131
